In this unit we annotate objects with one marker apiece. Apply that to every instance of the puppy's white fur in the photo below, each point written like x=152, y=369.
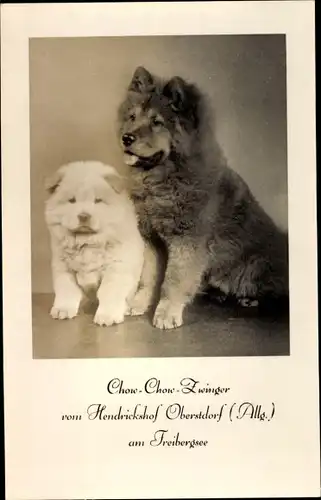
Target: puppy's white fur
x=95, y=243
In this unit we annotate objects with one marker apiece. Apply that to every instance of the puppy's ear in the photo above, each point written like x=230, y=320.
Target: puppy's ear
x=142, y=81
x=115, y=181
x=52, y=182
x=176, y=91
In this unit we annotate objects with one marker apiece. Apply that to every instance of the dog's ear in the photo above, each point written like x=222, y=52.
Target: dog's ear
x=176, y=91
x=184, y=98
x=142, y=80
x=115, y=181
x=52, y=182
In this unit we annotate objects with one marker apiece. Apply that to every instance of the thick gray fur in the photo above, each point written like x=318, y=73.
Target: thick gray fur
x=214, y=232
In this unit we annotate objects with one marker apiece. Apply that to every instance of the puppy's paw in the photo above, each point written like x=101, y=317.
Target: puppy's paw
x=63, y=312
x=168, y=316
x=104, y=317
x=246, y=302
x=140, y=303
x=135, y=311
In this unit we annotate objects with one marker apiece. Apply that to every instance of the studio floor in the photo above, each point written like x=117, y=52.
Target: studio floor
x=209, y=330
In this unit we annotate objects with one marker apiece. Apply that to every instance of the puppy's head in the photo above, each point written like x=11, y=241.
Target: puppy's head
x=83, y=198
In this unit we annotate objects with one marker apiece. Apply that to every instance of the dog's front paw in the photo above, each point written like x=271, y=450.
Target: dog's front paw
x=105, y=317
x=140, y=303
x=168, y=316
x=63, y=312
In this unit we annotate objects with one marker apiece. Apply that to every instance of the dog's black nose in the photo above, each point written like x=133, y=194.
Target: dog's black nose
x=128, y=139
x=83, y=217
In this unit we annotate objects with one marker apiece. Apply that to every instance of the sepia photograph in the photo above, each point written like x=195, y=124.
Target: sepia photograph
x=160, y=250
x=159, y=198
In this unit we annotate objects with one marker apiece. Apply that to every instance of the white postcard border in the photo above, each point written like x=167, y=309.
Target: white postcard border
x=47, y=459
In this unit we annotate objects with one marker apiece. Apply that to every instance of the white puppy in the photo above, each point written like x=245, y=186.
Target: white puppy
x=95, y=243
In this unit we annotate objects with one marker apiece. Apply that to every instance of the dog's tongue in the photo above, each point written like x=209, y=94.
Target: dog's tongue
x=130, y=159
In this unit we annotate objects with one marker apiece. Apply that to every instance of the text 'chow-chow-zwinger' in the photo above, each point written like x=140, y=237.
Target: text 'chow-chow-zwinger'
x=187, y=199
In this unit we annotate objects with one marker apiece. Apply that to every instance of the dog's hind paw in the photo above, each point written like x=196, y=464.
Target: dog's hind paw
x=167, y=316
x=135, y=311
x=140, y=303
x=246, y=302
x=63, y=312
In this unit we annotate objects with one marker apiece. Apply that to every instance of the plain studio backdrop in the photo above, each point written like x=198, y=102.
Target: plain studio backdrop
x=77, y=84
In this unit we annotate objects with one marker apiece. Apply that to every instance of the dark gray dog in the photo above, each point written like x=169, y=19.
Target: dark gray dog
x=187, y=199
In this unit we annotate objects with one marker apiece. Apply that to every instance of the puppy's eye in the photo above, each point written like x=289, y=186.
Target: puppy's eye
x=72, y=200
x=157, y=122
x=98, y=200
x=132, y=117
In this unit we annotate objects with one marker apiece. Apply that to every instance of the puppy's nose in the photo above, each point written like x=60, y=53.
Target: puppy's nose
x=128, y=139
x=83, y=217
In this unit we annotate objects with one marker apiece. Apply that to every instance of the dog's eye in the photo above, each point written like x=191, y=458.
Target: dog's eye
x=157, y=122
x=98, y=200
x=72, y=200
x=132, y=117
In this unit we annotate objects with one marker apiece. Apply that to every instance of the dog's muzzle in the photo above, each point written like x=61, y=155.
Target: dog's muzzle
x=143, y=162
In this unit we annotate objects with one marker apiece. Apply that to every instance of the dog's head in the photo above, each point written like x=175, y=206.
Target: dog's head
x=154, y=118
x=83, y=198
